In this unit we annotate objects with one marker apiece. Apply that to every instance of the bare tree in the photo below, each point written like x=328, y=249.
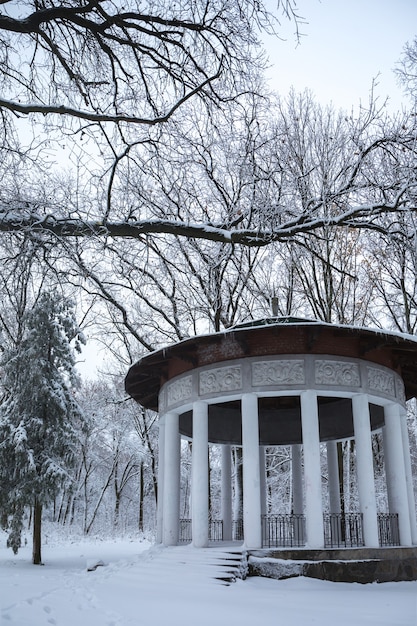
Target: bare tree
x=136, y=63
x=242, y=168
x=113, y=76
x=391, y=264
x=406, y=69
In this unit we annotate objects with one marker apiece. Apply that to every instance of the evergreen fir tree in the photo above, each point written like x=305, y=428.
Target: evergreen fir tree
x=37, y=413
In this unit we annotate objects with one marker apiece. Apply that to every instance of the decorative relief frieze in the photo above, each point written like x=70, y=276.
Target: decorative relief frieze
x=341, y=373
x=220, y=379
x=379, y=380
x=180, y=390
x=282, y=372
x=400, y=390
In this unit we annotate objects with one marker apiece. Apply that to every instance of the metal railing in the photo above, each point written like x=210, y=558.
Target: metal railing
x=215, y=530
x=343, y=530
x=285, y=531
x=288, y=531
x=185, y=531
x=237, y=530
x=388, y=530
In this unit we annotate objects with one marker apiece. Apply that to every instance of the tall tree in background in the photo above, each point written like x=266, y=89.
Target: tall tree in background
x=36, y=414
x=406, y=69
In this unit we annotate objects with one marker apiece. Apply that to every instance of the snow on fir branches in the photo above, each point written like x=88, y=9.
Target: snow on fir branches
x=37, y=413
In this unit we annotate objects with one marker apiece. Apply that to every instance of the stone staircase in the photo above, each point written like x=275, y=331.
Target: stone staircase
x=233, y=565
x=222, y=565
x=226, y=564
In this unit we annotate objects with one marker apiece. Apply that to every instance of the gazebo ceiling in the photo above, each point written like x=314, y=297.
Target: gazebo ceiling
x=280, y=421
x=267, y=337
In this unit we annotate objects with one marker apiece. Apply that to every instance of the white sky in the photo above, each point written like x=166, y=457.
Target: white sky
x=347, y=43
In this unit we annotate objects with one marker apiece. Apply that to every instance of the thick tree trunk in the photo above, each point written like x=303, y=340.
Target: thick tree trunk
x=37, y=527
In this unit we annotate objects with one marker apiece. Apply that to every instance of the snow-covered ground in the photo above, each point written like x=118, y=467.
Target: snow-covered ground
x=145, y=585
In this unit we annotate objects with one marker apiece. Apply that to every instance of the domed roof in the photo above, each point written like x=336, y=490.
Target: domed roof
x=273, y=336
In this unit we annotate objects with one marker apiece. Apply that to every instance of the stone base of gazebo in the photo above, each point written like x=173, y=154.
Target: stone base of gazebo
x=360, y=565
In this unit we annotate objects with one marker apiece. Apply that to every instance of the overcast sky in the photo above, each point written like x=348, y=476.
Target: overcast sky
x=346, y=44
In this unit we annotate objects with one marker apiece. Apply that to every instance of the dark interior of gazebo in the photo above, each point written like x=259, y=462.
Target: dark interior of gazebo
x=280, y=420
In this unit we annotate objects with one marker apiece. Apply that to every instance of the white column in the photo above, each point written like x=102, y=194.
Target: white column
x=333, y=477
x=395, y=471
x=297, y=480
x=161, y=461
x=312, y=471
x=171, y=497
x=262, y=475
x=409, y=477
x=226, y=493
x=251, y=477
x=365, y=469
x=199, y=476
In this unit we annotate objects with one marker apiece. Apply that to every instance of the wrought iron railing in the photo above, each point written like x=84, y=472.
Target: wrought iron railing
x=237, y=530
x=286, y=531
x=343, y=530
x=388, y=530
x=185, y=531
x=215, y=530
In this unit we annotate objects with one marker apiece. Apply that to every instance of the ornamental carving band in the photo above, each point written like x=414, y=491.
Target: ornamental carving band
x=378, y=380
x=340, y=373
x=180, y=390
x=290, y=372
x=221, y=379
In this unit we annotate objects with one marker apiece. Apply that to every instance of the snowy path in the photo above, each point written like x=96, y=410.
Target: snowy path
x=142, y=586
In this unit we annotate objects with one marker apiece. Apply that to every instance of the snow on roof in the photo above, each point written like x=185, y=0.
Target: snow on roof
x=282, y=321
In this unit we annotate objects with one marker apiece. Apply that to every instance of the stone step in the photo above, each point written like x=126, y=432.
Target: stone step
x=361, y=566
x=234, y=566
x=221, y=565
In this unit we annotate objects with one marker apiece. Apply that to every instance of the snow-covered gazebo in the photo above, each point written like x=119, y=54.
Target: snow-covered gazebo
x=284, y=381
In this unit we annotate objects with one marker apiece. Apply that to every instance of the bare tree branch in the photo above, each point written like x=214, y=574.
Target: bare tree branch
x=364, y=216
x=26, y=109
x=136, y=63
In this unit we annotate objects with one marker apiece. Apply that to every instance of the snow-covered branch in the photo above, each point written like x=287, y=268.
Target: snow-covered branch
x=21, y=219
